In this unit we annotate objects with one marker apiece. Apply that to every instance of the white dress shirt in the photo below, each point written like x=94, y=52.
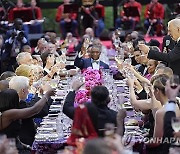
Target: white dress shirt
x=95, y=64
x=178, y=39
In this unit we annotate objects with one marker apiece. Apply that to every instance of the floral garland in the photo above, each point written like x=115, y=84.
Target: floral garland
x=92, y=78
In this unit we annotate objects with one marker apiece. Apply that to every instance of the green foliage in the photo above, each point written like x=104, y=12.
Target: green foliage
x=50, y=24
x=109, y=17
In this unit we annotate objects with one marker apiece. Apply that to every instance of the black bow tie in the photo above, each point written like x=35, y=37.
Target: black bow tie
x=96, y=61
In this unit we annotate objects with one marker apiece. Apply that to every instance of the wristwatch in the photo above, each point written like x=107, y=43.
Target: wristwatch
x=171, y=101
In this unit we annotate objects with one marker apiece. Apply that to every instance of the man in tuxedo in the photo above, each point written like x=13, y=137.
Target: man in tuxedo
x=93, y=61
x=168, y=44
x=173, y=57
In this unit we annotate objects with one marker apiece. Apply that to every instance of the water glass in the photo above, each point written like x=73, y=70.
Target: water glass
x=54, y=83
x=175, y=123
x=59, y=125
x=121, y=98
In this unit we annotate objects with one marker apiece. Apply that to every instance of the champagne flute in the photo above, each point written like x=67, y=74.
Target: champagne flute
x=121, y=99
x=175, y=123
x=174, y=81
x=119, y=59
x=129, y=45
x=146, y=88
x=128, y=61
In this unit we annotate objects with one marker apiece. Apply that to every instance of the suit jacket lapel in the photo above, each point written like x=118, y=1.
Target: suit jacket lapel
x=101, y=64
x=89, y=63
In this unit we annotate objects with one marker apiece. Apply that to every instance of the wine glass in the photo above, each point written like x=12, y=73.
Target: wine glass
x=116, y=43
x=128, y=61
x=121, y=99
x=146, y=88
x=174, y=81
x=175, y=123
x=54, y=83
x=129, y=45
x=119, y=58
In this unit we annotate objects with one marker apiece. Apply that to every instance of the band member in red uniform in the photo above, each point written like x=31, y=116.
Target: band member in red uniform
x=19, y=6
x=38, y=12
x=154, y=14
x=92, y=15
x=36, y=26
x=130, y=20
x=67, y=21
x=100, y=22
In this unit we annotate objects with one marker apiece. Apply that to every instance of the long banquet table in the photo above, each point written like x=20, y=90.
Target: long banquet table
x=50, y=144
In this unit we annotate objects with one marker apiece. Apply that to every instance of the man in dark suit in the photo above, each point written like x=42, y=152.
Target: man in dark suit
x=99, y=98
x=168, y=44
x=93, y=61
x=173, y=57
x=27, y=131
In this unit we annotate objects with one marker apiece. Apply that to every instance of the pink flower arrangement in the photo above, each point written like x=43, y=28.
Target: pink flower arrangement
x=82, y=96
x=92, y=78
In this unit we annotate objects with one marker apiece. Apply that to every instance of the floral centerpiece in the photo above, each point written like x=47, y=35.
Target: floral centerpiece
x=92, y=78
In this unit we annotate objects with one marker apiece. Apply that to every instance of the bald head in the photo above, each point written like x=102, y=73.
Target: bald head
x=175, y=22
x=174, y=28
x=89, y=31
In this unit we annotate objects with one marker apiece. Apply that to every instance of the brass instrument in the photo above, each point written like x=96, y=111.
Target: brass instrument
x=87, y=2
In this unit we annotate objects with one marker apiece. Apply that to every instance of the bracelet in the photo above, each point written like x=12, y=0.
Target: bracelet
x=46, y=98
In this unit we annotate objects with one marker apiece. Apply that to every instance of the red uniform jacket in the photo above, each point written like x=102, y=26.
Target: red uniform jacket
x=134, y=4
x=100, y=10
x=38, y=12
x=11, y=12
x=154, y=11
x=60, y=13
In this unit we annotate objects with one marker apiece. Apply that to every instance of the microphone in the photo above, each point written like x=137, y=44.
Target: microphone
x=167, y=43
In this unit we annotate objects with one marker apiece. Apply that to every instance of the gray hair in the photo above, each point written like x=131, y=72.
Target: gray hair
x=18, y=83
x=21, y=56
x=175, y=22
